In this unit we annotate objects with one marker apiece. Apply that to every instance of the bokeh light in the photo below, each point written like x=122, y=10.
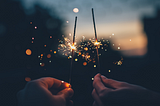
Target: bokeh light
x=75, y=10
x=27, y=79
x=28, y=52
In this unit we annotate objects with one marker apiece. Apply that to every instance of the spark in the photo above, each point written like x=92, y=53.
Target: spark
x=28, y=52
x=119, y=48
x=35, y=27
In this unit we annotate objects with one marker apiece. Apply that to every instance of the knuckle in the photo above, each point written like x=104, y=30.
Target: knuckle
x=102, y=93
x=31, y=84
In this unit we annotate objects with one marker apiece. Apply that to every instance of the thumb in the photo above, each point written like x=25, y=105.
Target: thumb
x=67, y=93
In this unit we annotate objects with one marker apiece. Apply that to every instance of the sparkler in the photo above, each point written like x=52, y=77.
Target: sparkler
x=73, y=48
x=96, y=43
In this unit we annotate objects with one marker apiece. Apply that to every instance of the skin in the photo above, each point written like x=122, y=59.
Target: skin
x=45, y=91
x=109, y=92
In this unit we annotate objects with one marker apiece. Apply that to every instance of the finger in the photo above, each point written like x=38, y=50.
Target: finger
x=113, y=83
x=49, y=82
x=67, y=93
x=98, y=85
x=94, y=104
x=70, y=103
x=97, y=99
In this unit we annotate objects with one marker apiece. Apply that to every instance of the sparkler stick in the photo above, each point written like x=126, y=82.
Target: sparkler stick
x=96, y=43
x=72, y=47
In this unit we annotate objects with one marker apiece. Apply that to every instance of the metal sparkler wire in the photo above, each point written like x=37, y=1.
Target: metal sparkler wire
x=71, y=68
x=96, y=39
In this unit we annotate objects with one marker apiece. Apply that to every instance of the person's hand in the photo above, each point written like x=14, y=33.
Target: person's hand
x=45, y=91
x=108, y=92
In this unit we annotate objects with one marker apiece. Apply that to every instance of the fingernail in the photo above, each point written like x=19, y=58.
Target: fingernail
x=70, y=91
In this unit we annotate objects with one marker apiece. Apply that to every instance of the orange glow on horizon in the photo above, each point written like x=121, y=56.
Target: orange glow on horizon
x=27, y=79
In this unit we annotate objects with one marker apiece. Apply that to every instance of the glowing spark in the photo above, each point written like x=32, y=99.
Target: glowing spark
x=94, y=65
x=35, y=27
x=44, y=45
x=113, y=34
x=84, y=63
x=55, y=52
x=50, y=37
x=75, y=10
x=73, y=47
x=109, y=70
x=28, y=52
x=96, y=43
x=41, y=55
x=62, y=81
x=119, y=48
x=32, y=38
x=30, y=22
x=92, y=79
x=76, y=59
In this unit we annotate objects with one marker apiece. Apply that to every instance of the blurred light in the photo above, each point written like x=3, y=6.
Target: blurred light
x=27, y=79
x=113, y=34
x=32, y=41
x=76, y=59
x=92, y=79
x=67, y=21
x=35, y=27
x=94, y=65
x=44, y=45
x=76, y=10
x=109, y=70
x=70, y=34
x=55, y=52
x=42, y=64
x=49, y=56
x=41, y=54
x=50, y=61
x=30, y=22
x=50, y=50
x=62, y=81
x=118, y=47
x=50, y=37
x=32, y=38
x=28, y=52
x=84, y=63
x=130, y=39
x=85, y=48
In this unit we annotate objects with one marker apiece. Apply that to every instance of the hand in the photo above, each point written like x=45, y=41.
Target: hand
x=45, y=91
x=108, y=92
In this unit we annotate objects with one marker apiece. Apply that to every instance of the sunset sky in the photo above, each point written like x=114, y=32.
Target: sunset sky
x=119, y=17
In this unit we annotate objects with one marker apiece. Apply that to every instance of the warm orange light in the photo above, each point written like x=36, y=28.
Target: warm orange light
x=85, y=48
x=27, y=79
x=96, y=43
x=67, y=85
x=30, y=22
x=55, y=52
x=50, y=50
x=79, y=53
x=28, y=52
x=44, y=45
x=84, y=63
x=49, y=56
x=41, y=55
x=72, y=47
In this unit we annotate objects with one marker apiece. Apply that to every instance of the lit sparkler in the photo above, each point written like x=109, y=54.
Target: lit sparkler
x=96, y=42
x=73, y=48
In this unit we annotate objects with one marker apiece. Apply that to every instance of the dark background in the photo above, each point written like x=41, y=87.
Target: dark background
x=16, y=34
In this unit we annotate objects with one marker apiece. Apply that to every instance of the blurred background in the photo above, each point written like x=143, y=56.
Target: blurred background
x=30, y=32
